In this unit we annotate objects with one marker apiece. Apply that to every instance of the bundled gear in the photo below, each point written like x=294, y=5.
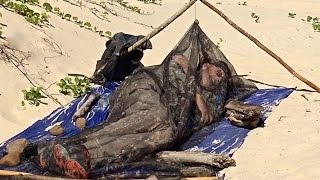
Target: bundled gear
x=116, y=63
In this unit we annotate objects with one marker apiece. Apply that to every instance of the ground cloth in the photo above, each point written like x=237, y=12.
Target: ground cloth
x=222, y=138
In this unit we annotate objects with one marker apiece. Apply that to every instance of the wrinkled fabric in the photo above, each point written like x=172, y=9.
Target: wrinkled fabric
x=222, y=139
x=69, y=160
x=151, y=109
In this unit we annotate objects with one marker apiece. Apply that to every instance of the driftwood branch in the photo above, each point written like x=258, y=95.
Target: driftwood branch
x=201, y=158
x=243, y=114
x=199, y=171
x=260, y=45
x=85, y=107
x=201, y=178
x=12, y=175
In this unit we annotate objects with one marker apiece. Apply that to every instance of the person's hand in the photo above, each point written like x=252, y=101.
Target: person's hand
x=206, y=114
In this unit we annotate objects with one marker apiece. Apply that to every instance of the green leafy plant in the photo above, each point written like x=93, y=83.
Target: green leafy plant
x=157, y=2
x=87, y=25
x=67, y=17
x=22, y=9
x=243, y=4
x=75, y=18
x=108, y=33
x=292, y=15
x=315, y=22
x=136, y=9
x=31, y=2
x=56, y=10
x=33, y=96
x=256, y=17
x=75, y=88
x=47, y=7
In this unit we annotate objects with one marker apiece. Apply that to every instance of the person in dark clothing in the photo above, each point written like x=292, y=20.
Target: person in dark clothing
x=154, y=109
x=143, y=126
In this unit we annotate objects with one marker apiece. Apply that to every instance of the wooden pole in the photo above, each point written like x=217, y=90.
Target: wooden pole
x=5, y=174
x=260, y=45
x=162, y=26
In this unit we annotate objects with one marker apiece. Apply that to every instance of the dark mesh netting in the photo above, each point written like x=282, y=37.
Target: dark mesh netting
x=158, y=107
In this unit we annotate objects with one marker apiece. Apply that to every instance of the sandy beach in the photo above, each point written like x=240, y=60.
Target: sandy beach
x=286, y=148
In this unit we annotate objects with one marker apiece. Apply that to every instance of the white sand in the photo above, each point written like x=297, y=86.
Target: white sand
x=286, y=148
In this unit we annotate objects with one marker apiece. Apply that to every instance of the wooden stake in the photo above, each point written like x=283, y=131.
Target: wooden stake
x=260, y=45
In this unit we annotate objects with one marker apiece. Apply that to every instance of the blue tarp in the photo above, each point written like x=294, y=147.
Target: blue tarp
x=222, y=138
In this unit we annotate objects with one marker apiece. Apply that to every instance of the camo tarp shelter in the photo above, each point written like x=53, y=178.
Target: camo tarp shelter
x=198, y=48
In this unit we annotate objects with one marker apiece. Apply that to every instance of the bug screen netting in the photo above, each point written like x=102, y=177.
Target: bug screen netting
x=156, y=107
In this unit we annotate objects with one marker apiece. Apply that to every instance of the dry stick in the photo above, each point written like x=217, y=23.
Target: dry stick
x=157, y=30
x=295, y=88
x=258, y=43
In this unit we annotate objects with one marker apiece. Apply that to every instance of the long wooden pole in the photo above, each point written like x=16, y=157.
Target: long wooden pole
x=260, y=45
x=162, y=26
x=5, y=174
x=156, y=30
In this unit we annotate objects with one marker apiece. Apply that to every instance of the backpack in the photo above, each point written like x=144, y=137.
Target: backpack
x=116, y=64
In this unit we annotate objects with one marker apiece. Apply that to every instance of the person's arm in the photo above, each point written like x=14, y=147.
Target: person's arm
x=206, y=114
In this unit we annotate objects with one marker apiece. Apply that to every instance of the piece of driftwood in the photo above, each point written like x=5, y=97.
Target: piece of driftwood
x=201, y=178
x=243, y=115
x=201, y=158
x=260, y=45
x=199, y=171
x=85, y=107
x=13, y=175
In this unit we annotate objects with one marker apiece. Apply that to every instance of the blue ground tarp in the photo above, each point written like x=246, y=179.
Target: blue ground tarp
x=222, y=138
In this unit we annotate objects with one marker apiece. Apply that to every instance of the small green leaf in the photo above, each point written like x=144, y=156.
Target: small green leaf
x=108, y=33
x=75, y=18
x=67, y=16
x=87, y=24
x=47, y=7
x=56, y=9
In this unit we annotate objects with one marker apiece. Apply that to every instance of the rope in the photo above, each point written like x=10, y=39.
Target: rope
x=195, y=11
